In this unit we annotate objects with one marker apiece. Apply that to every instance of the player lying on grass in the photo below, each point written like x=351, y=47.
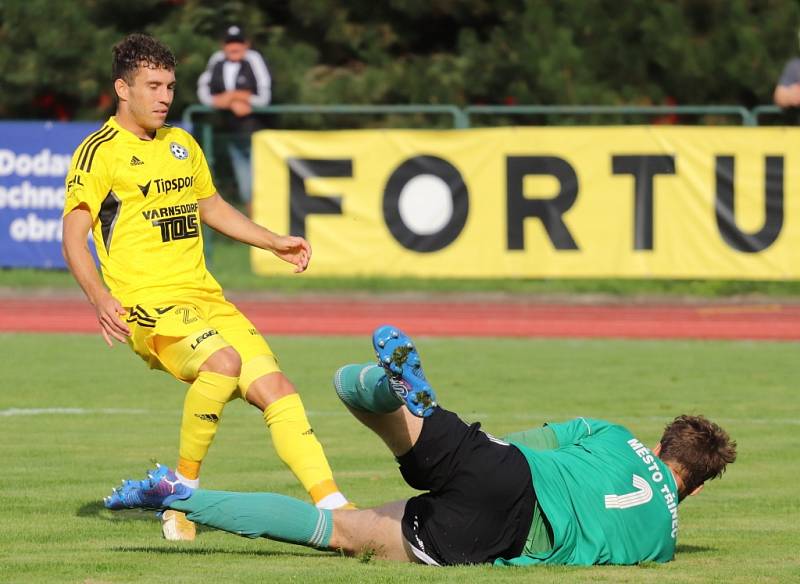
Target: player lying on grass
x=579, y=492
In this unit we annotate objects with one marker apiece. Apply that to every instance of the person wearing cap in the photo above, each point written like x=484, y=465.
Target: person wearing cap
x=235, y=81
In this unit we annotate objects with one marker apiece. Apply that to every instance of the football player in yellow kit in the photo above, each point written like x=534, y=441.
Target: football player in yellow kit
x=143, y=189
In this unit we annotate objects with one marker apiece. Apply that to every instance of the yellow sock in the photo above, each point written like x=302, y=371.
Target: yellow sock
x=299, y=449
x=202, y=410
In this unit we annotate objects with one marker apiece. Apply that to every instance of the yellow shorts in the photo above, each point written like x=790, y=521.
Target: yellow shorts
x=179, y=338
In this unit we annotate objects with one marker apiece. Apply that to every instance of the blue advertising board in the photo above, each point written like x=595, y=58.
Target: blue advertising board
x=34, y=160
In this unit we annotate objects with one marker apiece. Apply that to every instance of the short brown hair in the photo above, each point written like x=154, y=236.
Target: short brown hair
x=139, y=50
x=698, y=449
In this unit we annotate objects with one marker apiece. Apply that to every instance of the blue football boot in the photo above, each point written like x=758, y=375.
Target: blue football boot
x=157, y=491
x=399, y=358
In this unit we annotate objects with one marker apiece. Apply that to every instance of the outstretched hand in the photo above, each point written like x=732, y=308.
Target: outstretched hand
x=109, y=311
x=294, y=250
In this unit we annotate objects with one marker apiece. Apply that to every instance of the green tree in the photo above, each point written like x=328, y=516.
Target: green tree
x=413, y=51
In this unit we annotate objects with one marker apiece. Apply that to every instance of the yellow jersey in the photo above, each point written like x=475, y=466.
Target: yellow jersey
x=143, y=197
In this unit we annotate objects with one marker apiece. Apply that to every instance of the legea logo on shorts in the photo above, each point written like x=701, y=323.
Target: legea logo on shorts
x=203, y=337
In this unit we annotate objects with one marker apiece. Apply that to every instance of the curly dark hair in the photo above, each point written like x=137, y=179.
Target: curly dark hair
x=698, y=449
x=139, y=50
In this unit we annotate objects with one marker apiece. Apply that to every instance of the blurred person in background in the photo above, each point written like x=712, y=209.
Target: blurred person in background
x=235, y=81
x=787, y=91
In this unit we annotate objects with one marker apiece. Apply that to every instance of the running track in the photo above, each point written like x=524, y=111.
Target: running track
x=505, y=318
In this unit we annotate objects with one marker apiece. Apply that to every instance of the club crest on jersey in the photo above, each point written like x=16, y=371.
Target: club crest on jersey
x=178, y=151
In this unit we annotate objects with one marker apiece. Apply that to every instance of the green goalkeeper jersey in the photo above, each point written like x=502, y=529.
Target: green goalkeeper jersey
x=607, y=497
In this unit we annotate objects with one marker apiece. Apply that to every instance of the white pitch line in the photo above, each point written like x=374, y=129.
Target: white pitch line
x=123, y=411
x=70, y=411
x=538, y=418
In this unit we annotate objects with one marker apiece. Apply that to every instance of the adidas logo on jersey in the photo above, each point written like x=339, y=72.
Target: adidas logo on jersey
x=135, y=161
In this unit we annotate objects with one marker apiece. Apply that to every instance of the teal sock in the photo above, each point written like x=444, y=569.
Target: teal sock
x=365, y=387
x=260, y=515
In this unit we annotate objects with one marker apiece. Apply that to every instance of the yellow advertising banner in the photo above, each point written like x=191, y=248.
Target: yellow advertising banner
x=638, y=202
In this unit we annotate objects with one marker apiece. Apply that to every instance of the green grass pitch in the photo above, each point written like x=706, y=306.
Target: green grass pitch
x=108, y=416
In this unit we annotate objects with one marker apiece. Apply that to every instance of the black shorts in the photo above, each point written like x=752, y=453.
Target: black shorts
x=480, y=501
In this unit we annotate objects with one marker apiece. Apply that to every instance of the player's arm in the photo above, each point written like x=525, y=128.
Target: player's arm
x=576, y=430
x=77, y=224
x=221, y=216
x=542, y=438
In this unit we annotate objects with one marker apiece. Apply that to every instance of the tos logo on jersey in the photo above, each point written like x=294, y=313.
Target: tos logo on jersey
x=178, y=151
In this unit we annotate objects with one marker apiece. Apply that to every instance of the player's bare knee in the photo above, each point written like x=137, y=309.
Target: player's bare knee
x=268, y=389
x=285, y=386
x=226, y=361
x=345, y=532
x=374, y=532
